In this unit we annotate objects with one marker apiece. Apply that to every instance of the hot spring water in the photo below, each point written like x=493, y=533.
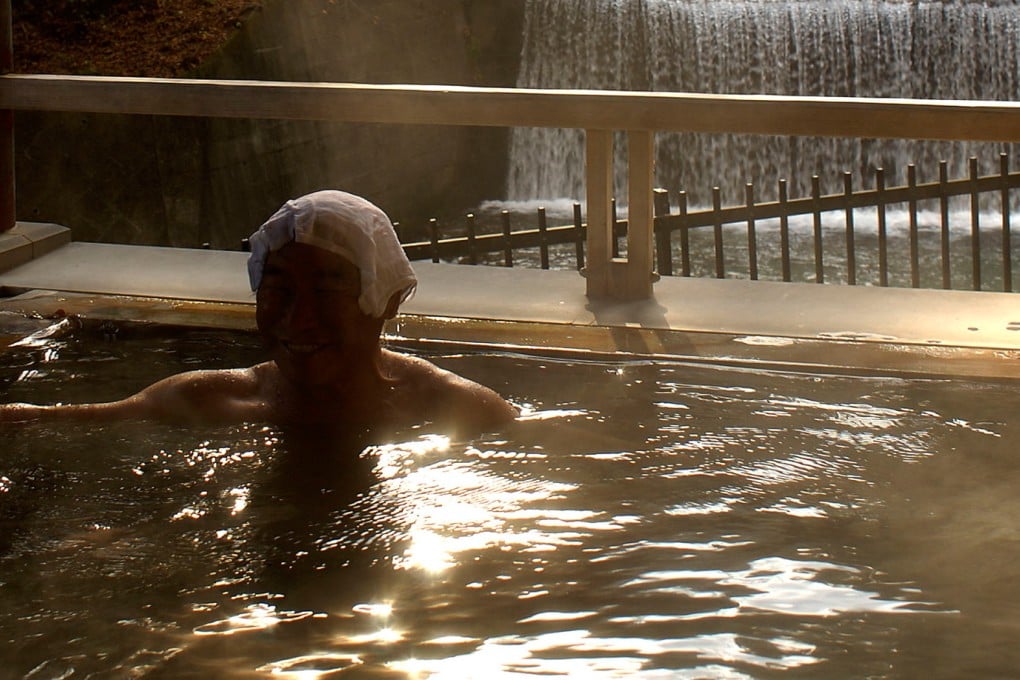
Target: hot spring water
x=644, y=520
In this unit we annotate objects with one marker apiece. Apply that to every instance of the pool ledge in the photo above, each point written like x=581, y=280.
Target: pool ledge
x=785, y=325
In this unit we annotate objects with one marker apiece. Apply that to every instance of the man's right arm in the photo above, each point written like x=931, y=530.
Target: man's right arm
x=195, y=396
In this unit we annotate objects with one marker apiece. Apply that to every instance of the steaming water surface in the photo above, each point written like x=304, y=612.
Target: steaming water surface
x=644, y=520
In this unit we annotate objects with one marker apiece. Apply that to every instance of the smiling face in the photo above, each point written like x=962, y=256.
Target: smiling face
x=307, y=311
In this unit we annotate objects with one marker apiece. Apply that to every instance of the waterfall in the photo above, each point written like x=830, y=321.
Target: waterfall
x=862, y=48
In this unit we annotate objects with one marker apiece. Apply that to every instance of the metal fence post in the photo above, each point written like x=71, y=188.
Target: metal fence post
x=7, y=210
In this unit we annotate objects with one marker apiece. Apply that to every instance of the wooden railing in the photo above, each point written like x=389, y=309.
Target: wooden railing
x=599, y=113
x=468, y=243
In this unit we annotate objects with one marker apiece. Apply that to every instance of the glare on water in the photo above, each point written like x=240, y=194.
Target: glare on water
x=642, y=520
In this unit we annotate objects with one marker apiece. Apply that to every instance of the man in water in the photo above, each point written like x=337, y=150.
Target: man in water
x=328, y=272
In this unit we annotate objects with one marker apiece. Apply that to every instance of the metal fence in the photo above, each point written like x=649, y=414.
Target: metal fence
x=738, y=228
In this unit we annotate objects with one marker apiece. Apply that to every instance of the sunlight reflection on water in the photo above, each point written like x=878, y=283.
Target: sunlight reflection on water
x=644, y=521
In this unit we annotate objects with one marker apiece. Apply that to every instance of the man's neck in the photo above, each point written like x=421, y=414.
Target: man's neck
x=359, y=393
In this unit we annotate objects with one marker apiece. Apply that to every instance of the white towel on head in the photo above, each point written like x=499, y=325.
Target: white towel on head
x=349, y=226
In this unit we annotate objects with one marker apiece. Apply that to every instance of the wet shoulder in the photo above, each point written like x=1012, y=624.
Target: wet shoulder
x=447, y=398
x=220, y=395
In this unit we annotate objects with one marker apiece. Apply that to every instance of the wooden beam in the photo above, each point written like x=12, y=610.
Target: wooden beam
x=510, y=107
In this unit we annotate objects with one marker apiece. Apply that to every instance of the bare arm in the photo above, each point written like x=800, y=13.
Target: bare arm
x=195, y=396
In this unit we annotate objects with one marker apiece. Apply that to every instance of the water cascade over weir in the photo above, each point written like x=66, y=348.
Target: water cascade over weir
x=844, y=48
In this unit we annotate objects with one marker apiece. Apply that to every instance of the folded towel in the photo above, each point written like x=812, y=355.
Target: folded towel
x=349, y=226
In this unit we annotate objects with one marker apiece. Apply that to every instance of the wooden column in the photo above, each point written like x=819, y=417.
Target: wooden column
x=640, y=215
x=599, y=189
x=628, y=278
x=7, y=211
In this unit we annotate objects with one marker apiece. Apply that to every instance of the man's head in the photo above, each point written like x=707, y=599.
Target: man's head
x=328, y=270
x=350, y=227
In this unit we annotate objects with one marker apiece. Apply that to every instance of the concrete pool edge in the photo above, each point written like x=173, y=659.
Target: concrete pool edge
x=831, y=328
x=569, y=341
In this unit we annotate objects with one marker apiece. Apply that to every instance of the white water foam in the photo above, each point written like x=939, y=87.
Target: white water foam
x=936, y=50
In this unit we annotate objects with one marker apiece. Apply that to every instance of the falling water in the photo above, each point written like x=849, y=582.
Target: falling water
x=862, y=48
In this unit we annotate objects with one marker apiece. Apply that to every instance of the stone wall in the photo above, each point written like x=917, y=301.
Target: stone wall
x=181, y=181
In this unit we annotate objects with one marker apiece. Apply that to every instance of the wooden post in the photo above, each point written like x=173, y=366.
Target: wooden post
x=508, y=244
x=883, y=238
x=717, y=233
x=784, y=231
x=578, y=237
x=947, y=279
x=915, y=261
x=663, y=236
x=8, y=215
x=543, y=239
x=816, y=197
x=599, y=188
x=472, y=242
x=640, y=214
x=752, y=233
x=609, y=276
x=1007, y=241
x=685, y=235
x=851, y=252
x=434, y=238
x=975, y=225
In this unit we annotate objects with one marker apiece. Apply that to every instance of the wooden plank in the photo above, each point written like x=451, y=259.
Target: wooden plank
x=518, y=107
